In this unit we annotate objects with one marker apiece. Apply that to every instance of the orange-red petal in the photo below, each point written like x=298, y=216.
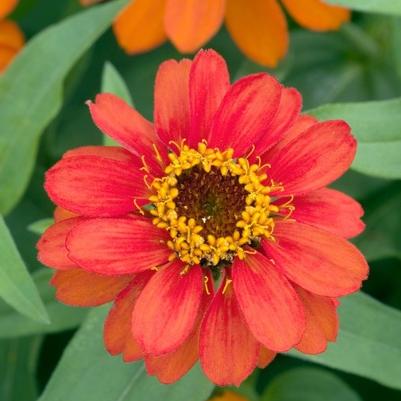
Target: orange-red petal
x=11, y=41
x=118, y=245
x=96, y=186
x=228, y=350
x=245, y=113
x=266, y=356
x=320, y=262
x=78, y=287
x=270, y=305
x=259, y=29
x=139, y=27
x=171, y=113
x=191, y=23
x=61, y=214
x=321, y=322
x=330, y=210
x=52, y=251
x=317, y=15
x=209, y=81
x=118, y=337
x=166, y=311
x=117, y=119
x=313, y=159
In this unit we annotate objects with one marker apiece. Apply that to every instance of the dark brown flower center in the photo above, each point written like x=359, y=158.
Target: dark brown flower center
x=213, y=200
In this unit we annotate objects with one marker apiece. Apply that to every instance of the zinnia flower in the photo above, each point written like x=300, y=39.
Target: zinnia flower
x=258, y=27
x=212, y=229
x=11, y=36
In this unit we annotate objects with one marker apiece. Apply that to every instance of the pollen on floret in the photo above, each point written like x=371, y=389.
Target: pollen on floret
x=214, y=206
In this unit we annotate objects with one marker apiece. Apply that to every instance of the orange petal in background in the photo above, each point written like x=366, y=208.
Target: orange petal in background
x=11, y=41
x=7, y=6
x=316, y=14
x=191, y=23
x=139, y=27
x=87, y=3
x=259, y=29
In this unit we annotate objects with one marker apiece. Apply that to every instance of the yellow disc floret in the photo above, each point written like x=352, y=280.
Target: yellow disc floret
x=190, y=240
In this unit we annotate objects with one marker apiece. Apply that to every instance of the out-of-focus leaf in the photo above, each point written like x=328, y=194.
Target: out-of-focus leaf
x=381, y=237
x=38, y=227
x=113, y=82
x=16, y=285
x=377, y=126
x=308, y=384
x=371, y=6
x=369, y=342
x=17, y=369
x=62, y=317
x=29, y=101
x=87, y=373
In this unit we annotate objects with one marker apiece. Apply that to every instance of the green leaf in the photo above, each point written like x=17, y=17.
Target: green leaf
x=308, y=384
x=30, y=99
x=62, y=317
x=377, y=126
x=39, y=227
x=381, y=238
x=18, y=359
x=369, y=342
x=371, y=6
x=87, y=373
x=113, y=82
x=16, y=285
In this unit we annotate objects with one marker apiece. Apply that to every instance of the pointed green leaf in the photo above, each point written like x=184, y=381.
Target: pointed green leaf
x=87, y=373
x=31, y=92
x=377, y=126
x=62, y=317
x=16, y=285
x=369, y=342
x=39, y=227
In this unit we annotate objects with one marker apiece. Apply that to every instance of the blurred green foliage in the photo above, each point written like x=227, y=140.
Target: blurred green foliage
x=42, y=114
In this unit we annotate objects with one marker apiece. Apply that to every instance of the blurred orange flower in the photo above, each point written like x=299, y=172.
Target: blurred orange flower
x=258, y=27
x=228, y=396
x=11, y=36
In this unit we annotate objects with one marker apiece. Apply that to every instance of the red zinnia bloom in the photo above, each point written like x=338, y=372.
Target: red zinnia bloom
x=226, y=189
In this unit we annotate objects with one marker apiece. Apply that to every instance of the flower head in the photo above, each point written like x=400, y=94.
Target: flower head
x=258, y=27
x=11, y=37
x=212, y=229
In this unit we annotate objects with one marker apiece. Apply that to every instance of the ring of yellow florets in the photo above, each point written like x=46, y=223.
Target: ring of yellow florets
x=187, y=241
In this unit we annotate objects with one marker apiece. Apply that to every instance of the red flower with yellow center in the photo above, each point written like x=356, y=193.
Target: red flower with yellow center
x=258, y=27
x=212, y=229
x=11, y=37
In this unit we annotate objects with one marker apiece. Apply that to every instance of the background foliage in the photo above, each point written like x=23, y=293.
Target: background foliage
x=53, y=353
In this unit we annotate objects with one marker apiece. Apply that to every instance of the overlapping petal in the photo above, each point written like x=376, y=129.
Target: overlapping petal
x=246, y=113
x=166, y=311
x=268, y=302
x=78, y=287
x=140, y=26
x=313, y=159
x=259, y=29
x=330, y=210
x=117, y=245
x=228, y=350
x=80, y=184
x=118, y=335
x=317, y=15
x=316, y=260
x=172, y=111
x=190, y=24
x=209, y=81
x=321, y=322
